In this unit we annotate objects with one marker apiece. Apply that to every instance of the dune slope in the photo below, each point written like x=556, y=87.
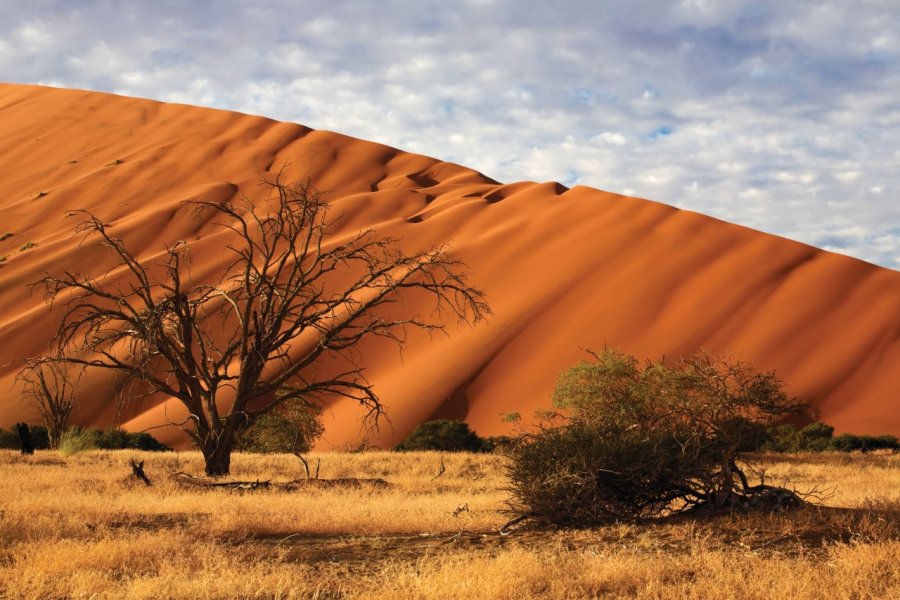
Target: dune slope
x=563, y=269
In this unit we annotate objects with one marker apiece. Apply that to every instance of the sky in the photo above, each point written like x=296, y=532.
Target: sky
x=781, y=115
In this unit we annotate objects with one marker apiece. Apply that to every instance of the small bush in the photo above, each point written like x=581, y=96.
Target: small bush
x=77, y=440
x=444, y=435
x=291, y=428
x=815, y=437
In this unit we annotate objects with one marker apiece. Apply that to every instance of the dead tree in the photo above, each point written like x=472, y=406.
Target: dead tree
x=51, y=387
x=290, y=299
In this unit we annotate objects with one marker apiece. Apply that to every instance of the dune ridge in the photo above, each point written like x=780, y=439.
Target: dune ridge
x=563, y=269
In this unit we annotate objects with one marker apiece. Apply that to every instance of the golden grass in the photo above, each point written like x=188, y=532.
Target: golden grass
x=77, y=527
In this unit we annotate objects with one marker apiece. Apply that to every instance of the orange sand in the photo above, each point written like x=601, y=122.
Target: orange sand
x=563, y=269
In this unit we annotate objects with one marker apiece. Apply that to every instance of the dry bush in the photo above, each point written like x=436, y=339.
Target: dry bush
x=642, y=442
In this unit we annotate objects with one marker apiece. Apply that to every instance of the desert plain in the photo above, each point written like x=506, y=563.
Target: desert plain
x=563, y=270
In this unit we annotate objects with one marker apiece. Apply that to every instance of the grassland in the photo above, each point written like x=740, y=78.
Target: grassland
x=79, y=527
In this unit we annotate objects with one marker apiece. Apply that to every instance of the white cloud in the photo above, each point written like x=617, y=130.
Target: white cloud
x=782, y=116
x=613, y=139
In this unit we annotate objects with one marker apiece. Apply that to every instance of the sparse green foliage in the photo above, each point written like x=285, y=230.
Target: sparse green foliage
x=444, y=435
x=512, y=417
x=635, y=441
x=292, y=428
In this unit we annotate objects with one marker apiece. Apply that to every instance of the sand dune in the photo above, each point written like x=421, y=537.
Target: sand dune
x=563, y=269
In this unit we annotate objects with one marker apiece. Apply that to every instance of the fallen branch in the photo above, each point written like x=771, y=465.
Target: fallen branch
x=296, y=484
x=462, y=533
x=504, y=530
x=192, y=481
x=306, y=464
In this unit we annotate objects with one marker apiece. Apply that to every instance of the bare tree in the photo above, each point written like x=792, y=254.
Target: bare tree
x=289, y=299
x=50, y=385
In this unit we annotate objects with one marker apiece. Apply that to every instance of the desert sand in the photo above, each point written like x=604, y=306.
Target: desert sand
x=563, y=269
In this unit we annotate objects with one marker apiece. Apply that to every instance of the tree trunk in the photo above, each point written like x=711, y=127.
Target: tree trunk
x=727, y=487
x=217, y=453
x=54, y=437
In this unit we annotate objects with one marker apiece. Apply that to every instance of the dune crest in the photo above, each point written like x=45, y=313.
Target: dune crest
x=563, y=269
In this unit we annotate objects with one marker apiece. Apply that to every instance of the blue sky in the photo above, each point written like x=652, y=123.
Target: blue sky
x=780, y=115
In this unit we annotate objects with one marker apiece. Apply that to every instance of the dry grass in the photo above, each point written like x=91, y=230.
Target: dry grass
x=77, y=527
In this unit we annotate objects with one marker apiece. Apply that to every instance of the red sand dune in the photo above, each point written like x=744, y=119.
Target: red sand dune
x=563, y=269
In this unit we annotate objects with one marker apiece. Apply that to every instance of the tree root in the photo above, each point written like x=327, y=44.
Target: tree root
x=757, y=497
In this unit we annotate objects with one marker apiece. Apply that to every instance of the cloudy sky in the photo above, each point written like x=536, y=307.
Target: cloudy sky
x=783, y=115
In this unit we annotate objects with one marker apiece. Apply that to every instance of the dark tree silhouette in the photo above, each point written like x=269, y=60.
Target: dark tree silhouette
x=25, y=438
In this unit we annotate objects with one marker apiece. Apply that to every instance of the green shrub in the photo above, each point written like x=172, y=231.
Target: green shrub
x=290, y=428
x=815, y=437
x=444, y=435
